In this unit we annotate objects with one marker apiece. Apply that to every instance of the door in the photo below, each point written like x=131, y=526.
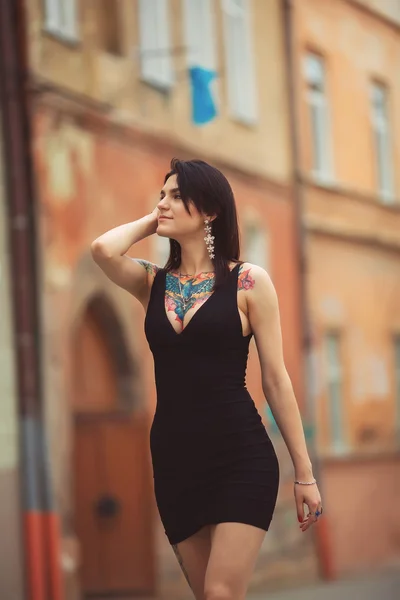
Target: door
x=112, y=484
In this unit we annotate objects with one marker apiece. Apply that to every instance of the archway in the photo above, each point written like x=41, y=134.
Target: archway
x=112, y=483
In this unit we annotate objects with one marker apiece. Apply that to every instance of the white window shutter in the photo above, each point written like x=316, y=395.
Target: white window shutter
x=381, y=126
x=61, y=18
x=257, y=245
x=164, y=43
x=53, y=15
x=147, y=25
x=239, y=54
x=155, y=43
x=162, y=249
x=334, y=382
x=70, y=18
x=200, y=33
x=314, y=71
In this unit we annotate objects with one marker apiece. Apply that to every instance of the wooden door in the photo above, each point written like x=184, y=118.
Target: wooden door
x=112, y=483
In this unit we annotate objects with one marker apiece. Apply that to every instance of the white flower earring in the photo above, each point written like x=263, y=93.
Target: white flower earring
x=209, y=239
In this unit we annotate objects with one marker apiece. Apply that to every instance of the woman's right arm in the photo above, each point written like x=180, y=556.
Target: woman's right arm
x=109, y=252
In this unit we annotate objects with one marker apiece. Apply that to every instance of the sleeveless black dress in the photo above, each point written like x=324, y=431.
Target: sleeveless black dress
x=213, y=460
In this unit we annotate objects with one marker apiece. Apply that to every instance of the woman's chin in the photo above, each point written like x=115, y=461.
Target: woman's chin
x=162, y=230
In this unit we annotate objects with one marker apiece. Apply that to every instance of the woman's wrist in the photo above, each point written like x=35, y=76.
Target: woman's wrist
x=151, y=221
x=304, y=472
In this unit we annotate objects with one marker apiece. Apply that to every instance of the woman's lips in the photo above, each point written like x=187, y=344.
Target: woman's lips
x=162, y=218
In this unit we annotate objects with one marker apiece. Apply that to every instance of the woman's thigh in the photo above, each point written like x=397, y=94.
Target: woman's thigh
x=234, y=551
x=193, y=554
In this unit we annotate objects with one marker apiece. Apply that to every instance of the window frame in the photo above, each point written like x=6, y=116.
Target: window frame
x=334, y=375
x=252, y=227
x=60, y=18
x=380, y=125
x=163, y=80
x=319, y=112
x=241, y=84
x=208, y=50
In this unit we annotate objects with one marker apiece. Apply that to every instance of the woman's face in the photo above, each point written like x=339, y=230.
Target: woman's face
x=174, y=221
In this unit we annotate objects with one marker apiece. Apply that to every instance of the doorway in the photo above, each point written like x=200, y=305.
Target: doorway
x=112, y=491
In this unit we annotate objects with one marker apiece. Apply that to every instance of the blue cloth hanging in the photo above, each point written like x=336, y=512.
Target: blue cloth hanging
x=203, y=104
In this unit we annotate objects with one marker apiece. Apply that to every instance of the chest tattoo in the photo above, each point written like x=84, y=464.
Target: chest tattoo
x=195, y=291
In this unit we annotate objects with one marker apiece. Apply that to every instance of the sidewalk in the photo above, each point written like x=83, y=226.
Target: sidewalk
x=379, y=587
x=385, y=586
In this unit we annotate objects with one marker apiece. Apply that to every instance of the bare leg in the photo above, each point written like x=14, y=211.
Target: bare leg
x=234, y=551
x=192, y=555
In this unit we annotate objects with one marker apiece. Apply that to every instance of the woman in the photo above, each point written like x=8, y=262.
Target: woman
x=215, y=470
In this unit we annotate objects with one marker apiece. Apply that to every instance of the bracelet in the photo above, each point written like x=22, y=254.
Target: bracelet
x=306, y=482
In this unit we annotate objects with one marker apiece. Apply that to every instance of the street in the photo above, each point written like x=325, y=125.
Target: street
x=383, y=587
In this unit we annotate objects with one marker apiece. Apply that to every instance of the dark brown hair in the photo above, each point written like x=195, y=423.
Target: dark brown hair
x=210, y=192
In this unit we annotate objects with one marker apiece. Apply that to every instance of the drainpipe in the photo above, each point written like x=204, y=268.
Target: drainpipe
x=40, y=525
x=323, y=548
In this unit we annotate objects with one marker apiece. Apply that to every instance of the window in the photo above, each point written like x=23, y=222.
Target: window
x=381, y=131
x=110, y=31
x=61, y=18
x=200, y=33
x=335, y=391
x=162, y=249
x=155, y=48
x=239, y=54
x=397, y=379
x=319, y=117
x=256, y=245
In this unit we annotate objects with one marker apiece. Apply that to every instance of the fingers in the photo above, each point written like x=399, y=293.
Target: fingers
x=300, y=509
x=311, y=499
x=308, y=521
x=311, y=516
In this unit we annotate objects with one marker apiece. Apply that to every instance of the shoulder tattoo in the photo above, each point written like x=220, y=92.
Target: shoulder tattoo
x=151, y=268
x=245, y=280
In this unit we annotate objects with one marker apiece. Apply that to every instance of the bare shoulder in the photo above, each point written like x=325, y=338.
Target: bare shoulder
x=254, y=279
x=260, y=298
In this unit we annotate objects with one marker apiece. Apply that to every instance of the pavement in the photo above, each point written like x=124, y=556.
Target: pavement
x=385, y=586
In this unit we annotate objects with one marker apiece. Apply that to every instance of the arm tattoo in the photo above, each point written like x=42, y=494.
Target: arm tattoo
x=151, y=268
x=180, y=561
x=245, y=280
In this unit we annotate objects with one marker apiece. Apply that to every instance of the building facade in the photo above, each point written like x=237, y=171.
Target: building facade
x=111, y=104
x=346, y=59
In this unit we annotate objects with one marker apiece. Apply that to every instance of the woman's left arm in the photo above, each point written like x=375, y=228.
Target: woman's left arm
x=264, y=317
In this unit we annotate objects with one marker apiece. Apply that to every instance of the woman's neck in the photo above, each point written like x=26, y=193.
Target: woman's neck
x=194, y=274
x=195, y=262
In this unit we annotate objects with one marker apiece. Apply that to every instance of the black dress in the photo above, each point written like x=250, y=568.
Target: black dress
x=213, y=460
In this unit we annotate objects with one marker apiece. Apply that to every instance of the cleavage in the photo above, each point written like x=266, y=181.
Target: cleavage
x=185, y=296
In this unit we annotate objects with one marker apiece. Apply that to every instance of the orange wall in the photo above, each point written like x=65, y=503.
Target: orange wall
x=353, y=242
x=358, y=48
x=356, y=290
x=353, y=277
x=361, y=497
